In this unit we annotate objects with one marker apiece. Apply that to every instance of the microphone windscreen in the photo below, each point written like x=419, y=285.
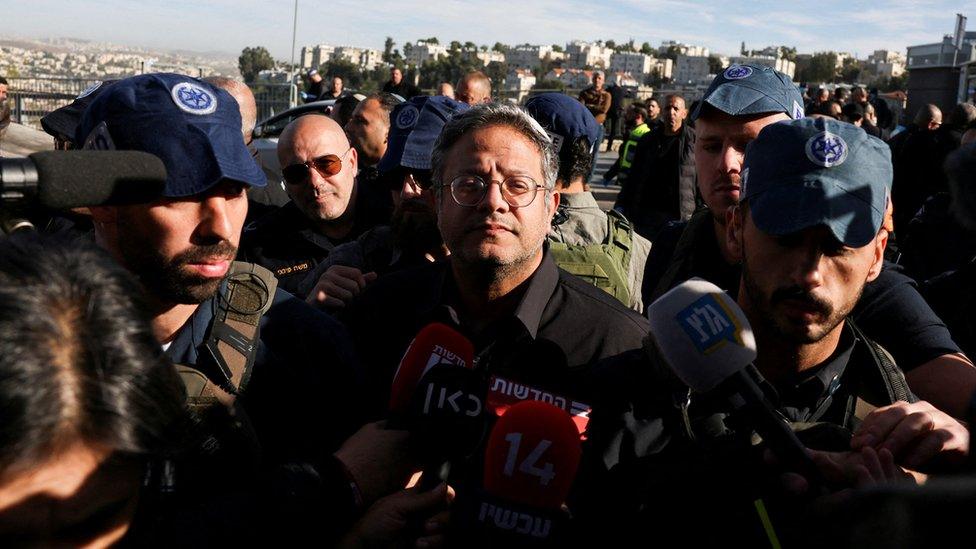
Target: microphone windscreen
x=701, y=333
x=532, y=456
x=434, y=345
x=74, y=179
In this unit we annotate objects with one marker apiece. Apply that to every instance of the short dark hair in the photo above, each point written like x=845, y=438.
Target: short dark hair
x=3, y=80
x=639, y=109
x=78, y=359
x=575, y=161
x=386, y=100
x=343, y=108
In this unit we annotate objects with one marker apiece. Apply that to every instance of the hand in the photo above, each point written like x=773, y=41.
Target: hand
x=338, y=286
x=917, y=434
x=846, y=470
x=389, y=522
x=378, y=460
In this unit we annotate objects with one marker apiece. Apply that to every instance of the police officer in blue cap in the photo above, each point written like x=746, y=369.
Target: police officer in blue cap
x=737, y=105
x=600, y=247
x=809, y=232
x=412, y=237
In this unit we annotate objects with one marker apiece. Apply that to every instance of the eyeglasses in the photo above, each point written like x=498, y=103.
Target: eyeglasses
x=469, y=190
x=327, y=166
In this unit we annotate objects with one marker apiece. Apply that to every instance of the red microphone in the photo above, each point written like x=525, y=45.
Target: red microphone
x=530, y=464
x=437, y=396
x=435, y=344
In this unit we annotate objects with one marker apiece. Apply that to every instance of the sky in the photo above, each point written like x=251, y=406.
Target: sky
x=721, y=25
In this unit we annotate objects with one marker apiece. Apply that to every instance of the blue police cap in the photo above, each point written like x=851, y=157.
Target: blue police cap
x=564, y=118
x=414, y=127
x=193, y=127
x=752, y=89
x=817, y=171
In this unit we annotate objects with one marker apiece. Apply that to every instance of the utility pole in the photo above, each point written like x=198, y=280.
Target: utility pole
x=294, y=33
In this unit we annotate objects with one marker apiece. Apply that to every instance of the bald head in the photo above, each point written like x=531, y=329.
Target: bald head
x=929, y=117
x=473, y=88
x=327, y=199
x=245, y=101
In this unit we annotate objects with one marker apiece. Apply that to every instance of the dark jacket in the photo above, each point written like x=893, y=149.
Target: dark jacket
x=404, y=89
x=658, y=189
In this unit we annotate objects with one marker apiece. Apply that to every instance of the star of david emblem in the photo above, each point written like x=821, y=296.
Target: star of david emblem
x=193, y=99
x=826, y=149
x=737, y=72
x=407, y=117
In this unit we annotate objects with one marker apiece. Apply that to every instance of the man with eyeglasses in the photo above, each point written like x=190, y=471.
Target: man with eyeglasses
x=326, y=207
x=494, y=171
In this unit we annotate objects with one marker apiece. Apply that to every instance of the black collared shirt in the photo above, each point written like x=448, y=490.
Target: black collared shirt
x=561, y=329
x=285, y=242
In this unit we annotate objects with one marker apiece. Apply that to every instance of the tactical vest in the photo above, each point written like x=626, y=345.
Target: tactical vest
x=219, y=438
x=630, y=147
x=604, y=265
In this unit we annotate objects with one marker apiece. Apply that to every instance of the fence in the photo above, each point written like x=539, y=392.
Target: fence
x=32, y=98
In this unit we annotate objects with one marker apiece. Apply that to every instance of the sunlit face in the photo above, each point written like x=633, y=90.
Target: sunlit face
x=720, y=148
x=800, y=287
x=653, y=109
x=319, y=197
x=494, y=233
x=336, y=85
x=472, y=92
x=368, y=130
x=85, y=496
x=180, y=248
x=3, y=93
x=674, y=113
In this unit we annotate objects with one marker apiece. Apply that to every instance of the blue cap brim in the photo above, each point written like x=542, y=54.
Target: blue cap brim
x=818, y=201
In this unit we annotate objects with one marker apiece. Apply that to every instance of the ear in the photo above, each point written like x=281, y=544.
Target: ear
x=734, y=222
x=880, y=242
x=554, y=205
x=354, y=159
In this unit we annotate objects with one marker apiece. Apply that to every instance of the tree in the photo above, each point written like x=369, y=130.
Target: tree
x=470, y=46
x=788, y=53
x=500, y=47
x=715, y=64
x=610, y=44
x=822, y=67
x=549, y=85
x=351, y=73
x=431, y=40
x=893, y=83
x=851, y=70
x=254, y=60
x=496, y=72
x=455, y=46
x=388, y=49
x=557, y=48
x=672, y=53
x=646, y=49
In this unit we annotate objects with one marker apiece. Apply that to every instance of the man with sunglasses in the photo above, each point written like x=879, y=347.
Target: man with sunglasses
x=412, y=237
x=327, y=206
x=494, y=172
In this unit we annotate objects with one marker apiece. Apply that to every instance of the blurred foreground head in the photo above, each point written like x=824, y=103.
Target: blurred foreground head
x=85, y=394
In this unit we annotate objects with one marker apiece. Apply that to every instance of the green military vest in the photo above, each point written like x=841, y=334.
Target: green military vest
x=604, y=265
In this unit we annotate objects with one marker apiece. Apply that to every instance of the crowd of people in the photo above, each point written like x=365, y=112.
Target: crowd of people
x=425, y=331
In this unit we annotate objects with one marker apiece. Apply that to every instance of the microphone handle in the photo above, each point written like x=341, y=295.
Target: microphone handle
x=775, y=430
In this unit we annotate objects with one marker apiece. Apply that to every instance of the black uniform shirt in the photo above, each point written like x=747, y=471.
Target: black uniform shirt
x=561, y=328
x=285, y=242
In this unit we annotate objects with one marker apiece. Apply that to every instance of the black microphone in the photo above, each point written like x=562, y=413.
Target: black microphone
x=706, y=340
x=62, y=180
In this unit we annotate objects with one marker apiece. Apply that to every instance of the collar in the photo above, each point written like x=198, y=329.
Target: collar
x=578, y=200
x=541, y=286
x=183, y=347
x=816, y=386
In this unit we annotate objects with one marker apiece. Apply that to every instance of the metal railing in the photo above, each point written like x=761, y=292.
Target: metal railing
x=33, y=97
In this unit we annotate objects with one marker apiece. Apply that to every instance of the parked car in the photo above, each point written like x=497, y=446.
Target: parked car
x=265, y=136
